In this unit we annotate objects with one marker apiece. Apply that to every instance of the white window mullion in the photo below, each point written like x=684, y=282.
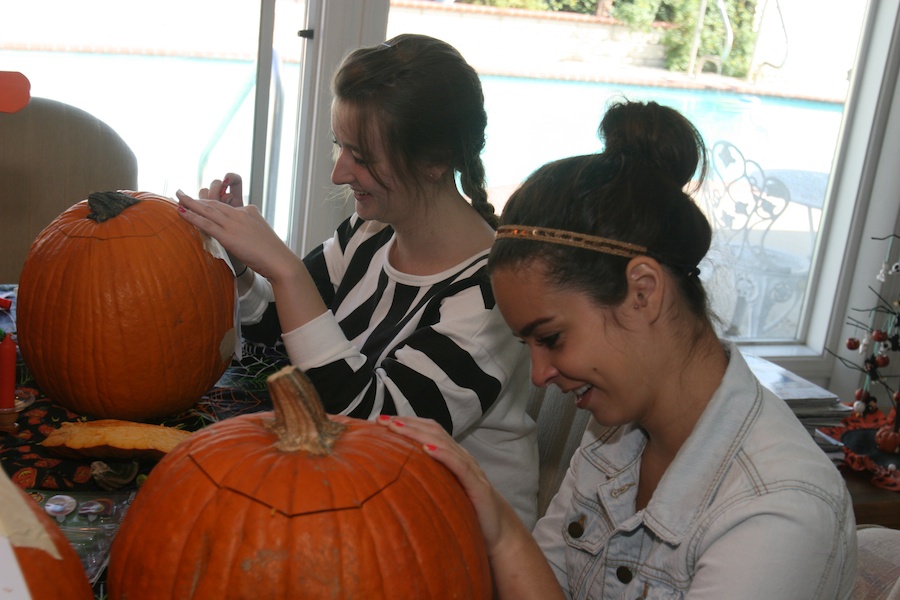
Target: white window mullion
x=261, y=111
x=338, y=26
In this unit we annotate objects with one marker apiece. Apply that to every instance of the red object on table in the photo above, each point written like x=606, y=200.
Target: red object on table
x=7, y=372
x=5, y=304
x=15, y=91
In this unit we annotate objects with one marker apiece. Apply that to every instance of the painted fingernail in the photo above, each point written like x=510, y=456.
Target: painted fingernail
x=384, y=418
x=399, y=423
x=181, y=209
x=430, y=447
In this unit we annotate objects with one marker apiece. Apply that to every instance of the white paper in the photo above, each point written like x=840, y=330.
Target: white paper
x=12, y=583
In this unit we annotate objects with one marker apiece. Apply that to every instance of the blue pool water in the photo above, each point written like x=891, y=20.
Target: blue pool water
x=532, y=122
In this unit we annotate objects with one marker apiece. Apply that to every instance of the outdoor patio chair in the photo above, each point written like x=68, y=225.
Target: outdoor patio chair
x=763, y=279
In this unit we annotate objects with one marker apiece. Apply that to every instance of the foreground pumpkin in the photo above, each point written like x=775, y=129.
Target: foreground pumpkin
x=46, y=560
x=299, y=505
x=121, y=311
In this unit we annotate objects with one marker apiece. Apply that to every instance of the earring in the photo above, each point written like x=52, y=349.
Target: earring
x=640, y=298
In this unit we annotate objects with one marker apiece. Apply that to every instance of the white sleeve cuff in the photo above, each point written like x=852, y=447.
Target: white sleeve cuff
x=318, y=342
x=256, y=299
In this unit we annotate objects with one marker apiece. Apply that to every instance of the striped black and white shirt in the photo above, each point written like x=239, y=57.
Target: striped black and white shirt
x=433, y=346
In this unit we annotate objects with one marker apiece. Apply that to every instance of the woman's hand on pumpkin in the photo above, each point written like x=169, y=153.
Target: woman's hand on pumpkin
x=243, y=232
x=489, y=504
x=230, y=191
x=518, y=565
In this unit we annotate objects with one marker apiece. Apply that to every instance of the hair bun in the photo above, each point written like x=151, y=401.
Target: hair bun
x=657, y=134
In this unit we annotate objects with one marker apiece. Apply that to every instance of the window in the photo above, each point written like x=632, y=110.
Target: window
x=177, y=80
x=773, y=134
x=180, y=82
x=794, y=144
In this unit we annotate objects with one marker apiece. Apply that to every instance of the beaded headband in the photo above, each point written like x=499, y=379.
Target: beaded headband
x=570, y=238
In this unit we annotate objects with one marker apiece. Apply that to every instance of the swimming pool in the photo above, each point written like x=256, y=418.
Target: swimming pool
x=531, y=122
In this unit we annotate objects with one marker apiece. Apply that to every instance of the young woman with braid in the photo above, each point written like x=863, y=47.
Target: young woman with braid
x=692, y=480
x=395, y=314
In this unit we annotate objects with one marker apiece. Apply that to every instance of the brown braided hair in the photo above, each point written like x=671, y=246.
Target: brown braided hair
x=427, y=104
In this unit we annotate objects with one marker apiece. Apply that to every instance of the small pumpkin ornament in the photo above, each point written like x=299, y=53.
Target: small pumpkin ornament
x=47, y=564
x=887, y=439
x=297, y=504
x=123, y=312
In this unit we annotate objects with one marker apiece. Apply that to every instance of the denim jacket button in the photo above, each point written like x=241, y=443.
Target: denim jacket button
x=623, y=574
x=576, y=528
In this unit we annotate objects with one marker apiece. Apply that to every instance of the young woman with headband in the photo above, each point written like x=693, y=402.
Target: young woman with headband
x=692, y=480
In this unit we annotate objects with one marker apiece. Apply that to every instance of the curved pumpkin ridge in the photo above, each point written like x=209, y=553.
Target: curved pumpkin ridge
x=434, y=506
x=167, y=327
x=62, y=276
x=177, y=493
x=208, y=550
x=465, y=538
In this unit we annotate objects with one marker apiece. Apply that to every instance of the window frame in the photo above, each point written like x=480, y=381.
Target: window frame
x=860, y=202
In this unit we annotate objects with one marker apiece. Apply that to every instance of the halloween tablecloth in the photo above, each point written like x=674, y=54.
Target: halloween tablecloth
x=857, y=433
x=242, y=389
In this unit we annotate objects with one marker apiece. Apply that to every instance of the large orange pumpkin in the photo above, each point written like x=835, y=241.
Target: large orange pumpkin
x=48, y=563
x=299, y=505
x=122, y=312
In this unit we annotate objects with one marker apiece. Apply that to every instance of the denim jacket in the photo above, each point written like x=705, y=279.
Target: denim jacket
x=750, y=508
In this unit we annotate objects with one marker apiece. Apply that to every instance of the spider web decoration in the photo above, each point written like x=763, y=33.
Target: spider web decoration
x=242, y=389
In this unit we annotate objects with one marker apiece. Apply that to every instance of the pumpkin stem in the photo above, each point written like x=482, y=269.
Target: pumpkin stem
x=106, y=205
x=300, y=419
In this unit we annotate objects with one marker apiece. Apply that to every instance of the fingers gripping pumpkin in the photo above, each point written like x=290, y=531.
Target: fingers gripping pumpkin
x=122, y=312
x=299, y=505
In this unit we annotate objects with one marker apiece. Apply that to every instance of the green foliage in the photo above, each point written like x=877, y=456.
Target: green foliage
x=585, y=7
x=524, y=4
x=640, y=14
x=680, y=38
x=681, y=14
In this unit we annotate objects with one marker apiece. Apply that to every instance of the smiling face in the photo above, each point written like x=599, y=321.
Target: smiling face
x=379, y=201
x=574, y=343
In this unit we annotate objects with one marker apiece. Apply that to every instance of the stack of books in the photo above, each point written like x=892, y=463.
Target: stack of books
x=815, y=407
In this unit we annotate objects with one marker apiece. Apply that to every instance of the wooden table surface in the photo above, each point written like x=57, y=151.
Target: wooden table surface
x=872, y=505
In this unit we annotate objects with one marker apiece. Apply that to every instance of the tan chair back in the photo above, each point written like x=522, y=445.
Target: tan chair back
x=52, y=155
x=560, y=427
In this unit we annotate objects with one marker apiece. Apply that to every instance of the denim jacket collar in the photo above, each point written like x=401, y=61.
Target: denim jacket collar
x=702, y=460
